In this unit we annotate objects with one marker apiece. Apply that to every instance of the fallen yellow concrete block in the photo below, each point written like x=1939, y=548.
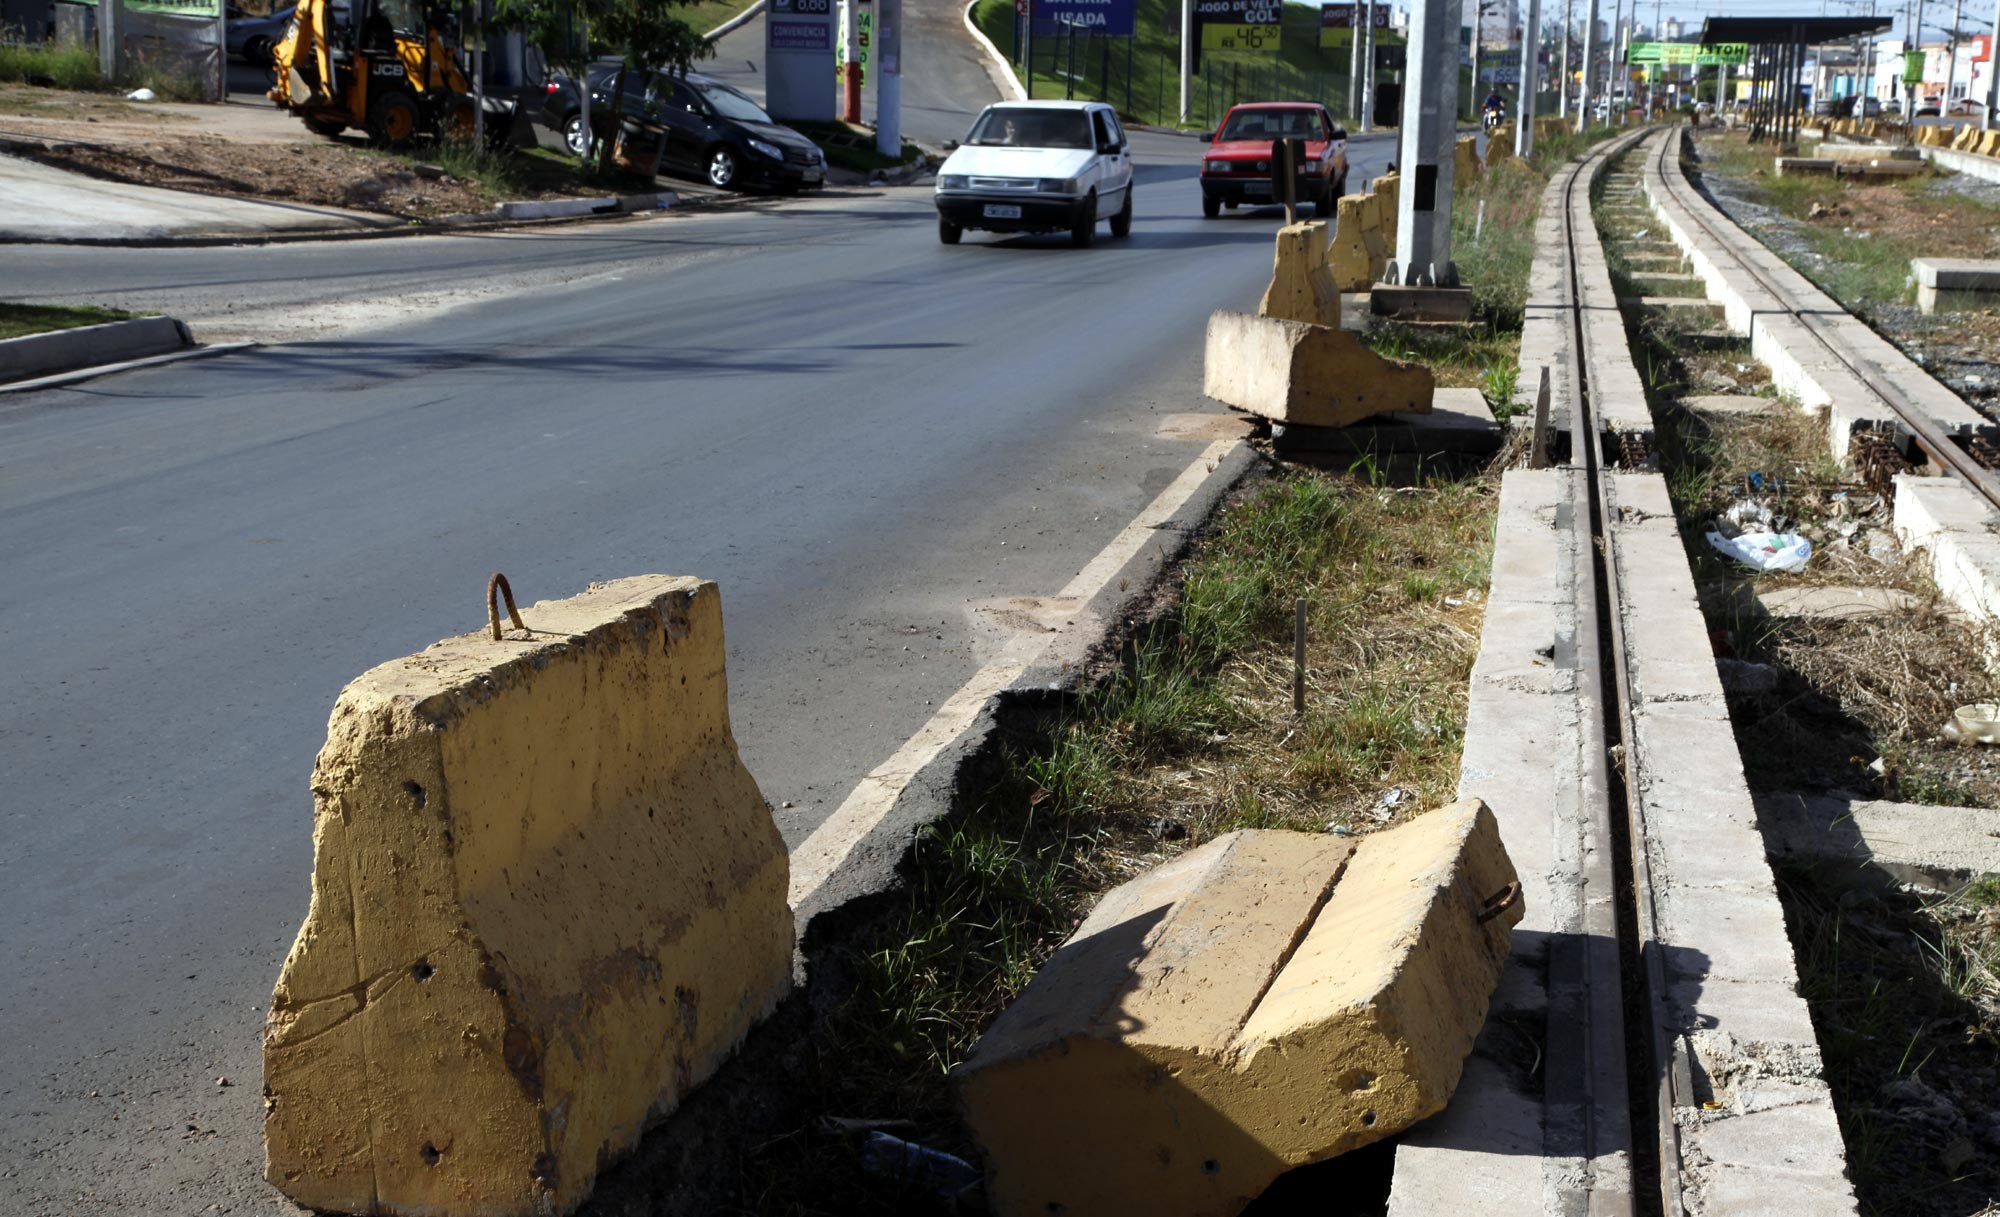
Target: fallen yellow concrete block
x=548, y=900
x=1310, y=375
x=1267, y=1000
x=1302, y=287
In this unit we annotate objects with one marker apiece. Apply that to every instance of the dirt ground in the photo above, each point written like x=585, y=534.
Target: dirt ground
x=324, y=174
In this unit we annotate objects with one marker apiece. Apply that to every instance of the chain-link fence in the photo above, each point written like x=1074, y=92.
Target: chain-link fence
x=1145, y=86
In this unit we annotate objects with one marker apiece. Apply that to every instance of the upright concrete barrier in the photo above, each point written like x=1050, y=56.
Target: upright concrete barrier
x=548, y=900
x=1266, y=1000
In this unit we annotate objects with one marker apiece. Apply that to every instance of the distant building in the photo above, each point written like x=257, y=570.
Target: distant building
x=1671, y=27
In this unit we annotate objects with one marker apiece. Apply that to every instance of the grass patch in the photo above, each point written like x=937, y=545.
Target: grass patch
x=852, y=147
x=1858, y=237
x=703, y=16
x=1191, y=735
x=74, y=66
x=20, y=320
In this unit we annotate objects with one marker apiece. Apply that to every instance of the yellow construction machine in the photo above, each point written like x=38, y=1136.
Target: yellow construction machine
x=388, y=67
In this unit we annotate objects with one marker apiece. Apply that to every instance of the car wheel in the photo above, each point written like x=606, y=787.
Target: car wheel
x=257, y=51
x=572, y=134
x=1340, y=184
x=1323, y=205
x=1086, y=223
x=1121, y=224
x=722, y=168
x=1211, y=207
x=948, y=232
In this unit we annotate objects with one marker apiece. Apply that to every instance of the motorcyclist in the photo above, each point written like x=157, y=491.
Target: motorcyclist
x=1493, y=110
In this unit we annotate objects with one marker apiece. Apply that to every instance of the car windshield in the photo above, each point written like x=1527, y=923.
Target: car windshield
x=1272, y=124
x=1020, y=127
x=731, y=104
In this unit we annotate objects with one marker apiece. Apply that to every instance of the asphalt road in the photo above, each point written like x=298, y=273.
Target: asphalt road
x=859, y=432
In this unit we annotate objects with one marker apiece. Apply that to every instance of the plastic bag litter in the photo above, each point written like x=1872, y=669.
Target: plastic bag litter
x=1978, y=723
x=1765, y=551
x=141, y=95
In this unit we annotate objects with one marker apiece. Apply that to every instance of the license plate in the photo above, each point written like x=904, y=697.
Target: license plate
x=812, y=175
x=1002, y=211
x=1256, y=188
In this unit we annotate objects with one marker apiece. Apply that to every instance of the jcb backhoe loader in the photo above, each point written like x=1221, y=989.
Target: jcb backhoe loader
x=391, y=69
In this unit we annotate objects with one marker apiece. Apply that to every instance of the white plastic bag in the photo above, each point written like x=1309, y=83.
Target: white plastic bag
x=1765, y=551
x=140, y=95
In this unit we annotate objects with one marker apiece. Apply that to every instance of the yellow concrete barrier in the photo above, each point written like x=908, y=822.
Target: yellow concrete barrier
x=1500, y=144
x=1302, y=286
x=1989, y=144
x=548, y=900
x=1387, y=187
x=1348, y=259
x=1266, y=1000
x=1465, y=160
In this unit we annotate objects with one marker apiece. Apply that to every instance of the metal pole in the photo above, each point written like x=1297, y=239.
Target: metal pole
x=1951, y=62
x=1368, y=71
x=1187, y=61
x=1986, y=120
x=1562, y=91
x=1354, y=63
x=1428, y=142
x=1531, y=67
x=1129, y=40
x=888, y=60
x=1589, y=57
x=1478, y=19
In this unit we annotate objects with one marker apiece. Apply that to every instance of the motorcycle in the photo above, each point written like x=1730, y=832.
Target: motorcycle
x=1492, y=117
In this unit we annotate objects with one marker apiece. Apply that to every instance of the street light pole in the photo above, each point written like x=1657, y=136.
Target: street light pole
x=1187, y=62
x=1368, y=71
x=1589, y=60
x=1428, y=140
x=1354, y=64
x=1531, y=67
x=1562, y=88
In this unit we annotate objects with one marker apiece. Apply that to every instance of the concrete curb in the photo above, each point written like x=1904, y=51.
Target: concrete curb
x=997, y=66
x=569, y=209
x=1970, y=164
x=104, y=369
x=900, y=177
x=41, y=355
x=870, y=866
x=734, y=23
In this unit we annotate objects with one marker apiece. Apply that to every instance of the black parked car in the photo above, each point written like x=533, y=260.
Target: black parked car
x=713, y=132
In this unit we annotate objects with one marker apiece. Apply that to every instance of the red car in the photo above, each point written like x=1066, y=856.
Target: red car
x=1237, y=166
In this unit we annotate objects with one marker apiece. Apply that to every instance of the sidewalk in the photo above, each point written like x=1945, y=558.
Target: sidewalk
x=38, y=203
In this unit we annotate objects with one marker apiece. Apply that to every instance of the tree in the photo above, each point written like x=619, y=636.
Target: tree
x=645, y=34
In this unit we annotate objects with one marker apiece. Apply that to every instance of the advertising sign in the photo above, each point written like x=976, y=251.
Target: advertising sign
x=798, y=57
x=1336, y=23
x=1085, y=16
x=1687, y=53
x=1239, y=25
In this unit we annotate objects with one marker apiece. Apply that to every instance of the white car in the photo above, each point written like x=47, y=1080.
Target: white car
x=1038, y=166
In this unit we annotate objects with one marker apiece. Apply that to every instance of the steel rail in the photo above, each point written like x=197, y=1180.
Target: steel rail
x=1639, y=903
x=1936, y=443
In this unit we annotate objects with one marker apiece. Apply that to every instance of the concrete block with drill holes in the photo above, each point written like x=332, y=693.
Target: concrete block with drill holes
x=1311, y=375
x=548, y=901
x=1266, y=1000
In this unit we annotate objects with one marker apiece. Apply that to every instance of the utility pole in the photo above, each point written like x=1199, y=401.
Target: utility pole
x=1354, y=65
x=1951, y=61
x=1368, y=72
x=1531, y=69
x=1187, y=62
x=888, y=59
x=1428, y=144
x=1562, y=90
x=1589, y=58
x=850, y=40
x=1478, y=19
x=110, y=38
x=1986, y=120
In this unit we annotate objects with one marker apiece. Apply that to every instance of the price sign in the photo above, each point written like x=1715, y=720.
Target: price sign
x=1239, y=37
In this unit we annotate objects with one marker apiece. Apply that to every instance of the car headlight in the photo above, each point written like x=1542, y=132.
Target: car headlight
x=951, y=181
x=1060, y=185
x=763, y=149
x=1215, y=166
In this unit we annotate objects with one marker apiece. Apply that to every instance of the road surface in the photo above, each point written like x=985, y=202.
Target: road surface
x=859, y=432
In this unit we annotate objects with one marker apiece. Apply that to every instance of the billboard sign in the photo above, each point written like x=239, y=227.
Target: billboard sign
x=1239, y=25
x=798, y=59
x=1085, y=16
x=1684, y=54
x=1337, y=23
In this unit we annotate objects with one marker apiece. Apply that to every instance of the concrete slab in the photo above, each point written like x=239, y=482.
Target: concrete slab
x=1952, y=283
x=1730, y=404
x=1941, y=848
x=1671, y=302
x=40, y=203
x=1961, y=535
x=1459, y=422
x=1834, y=603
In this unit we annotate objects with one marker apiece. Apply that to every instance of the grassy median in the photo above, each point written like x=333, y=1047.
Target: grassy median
x=21, y=320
